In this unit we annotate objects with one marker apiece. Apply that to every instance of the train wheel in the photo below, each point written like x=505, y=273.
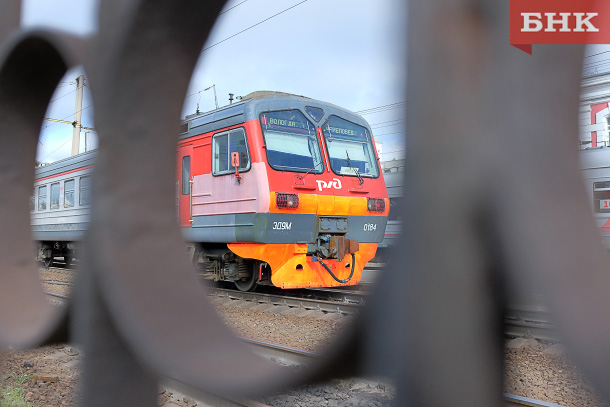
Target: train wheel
x=68, y=261
x=249, y=283
x=48, y=262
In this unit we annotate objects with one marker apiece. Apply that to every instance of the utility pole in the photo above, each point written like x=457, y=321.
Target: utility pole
x=78, y=109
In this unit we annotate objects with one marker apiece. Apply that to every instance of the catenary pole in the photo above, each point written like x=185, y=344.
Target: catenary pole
x=78, y=108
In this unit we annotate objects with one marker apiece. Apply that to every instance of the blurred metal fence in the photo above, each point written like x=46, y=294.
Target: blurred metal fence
x=494, y=204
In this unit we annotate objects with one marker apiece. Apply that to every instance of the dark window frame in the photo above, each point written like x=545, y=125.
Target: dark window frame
x=86, y=189
x=370, y=139
x=230, y=169
x=54, y=195
x=318, y=169
x=186, y=181
x=66, y=191
x=601, y=191
x=44, y=196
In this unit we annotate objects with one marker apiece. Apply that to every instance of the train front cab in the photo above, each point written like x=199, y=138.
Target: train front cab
x=307, y=202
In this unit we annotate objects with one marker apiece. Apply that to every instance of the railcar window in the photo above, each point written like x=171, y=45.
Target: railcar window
x=54, y=196
x=186, y=175
x=601, y=196
x=350, y=148
x=69, y=193
x=84, y=191
x=291, y=142
x=226, y=143
x=42, y=198
x=33, y=201
x=395, y=212
x=315, y=112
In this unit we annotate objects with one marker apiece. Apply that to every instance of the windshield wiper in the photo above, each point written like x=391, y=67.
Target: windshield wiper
x=349, y=165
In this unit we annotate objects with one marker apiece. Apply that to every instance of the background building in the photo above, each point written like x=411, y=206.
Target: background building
x=594, y=113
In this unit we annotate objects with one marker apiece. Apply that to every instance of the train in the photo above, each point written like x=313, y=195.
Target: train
x=595, y=170
x=595, y=165
x=276, y=189
x=393, y=182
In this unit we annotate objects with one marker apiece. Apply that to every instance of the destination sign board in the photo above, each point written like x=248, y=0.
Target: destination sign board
x=291, y=121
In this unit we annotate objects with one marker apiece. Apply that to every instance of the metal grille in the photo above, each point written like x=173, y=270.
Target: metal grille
x=493, y=203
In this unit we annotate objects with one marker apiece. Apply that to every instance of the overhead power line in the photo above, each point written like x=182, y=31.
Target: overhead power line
x=229, y=9
x=69, y=93
x=388, y=134
x=252, y=26
x=66, y=142
x=384, y=108
x=389, y=123
x=599, y=53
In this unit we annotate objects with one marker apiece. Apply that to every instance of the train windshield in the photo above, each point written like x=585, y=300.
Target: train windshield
x=350, y=148
x=291, y=142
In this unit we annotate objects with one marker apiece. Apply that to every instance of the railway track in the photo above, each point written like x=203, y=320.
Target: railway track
x=520, y=321
x=293, y=357
x=326, y=306
x=289, y=356
x=531, y=322
x=510, y=400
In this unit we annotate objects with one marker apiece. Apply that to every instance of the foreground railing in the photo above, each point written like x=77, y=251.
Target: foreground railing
x=494, y=203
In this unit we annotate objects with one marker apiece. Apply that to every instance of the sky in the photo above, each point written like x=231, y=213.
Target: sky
x=347, y=52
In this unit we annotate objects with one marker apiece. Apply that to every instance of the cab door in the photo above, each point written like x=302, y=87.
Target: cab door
x=185, y=185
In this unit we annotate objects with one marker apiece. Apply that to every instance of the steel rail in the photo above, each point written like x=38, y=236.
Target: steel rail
x=292, y=302
x=57, y=299
x=523, y=321
x=520, y=321
x=512, y=400
x=283, y=355
x=179, y=389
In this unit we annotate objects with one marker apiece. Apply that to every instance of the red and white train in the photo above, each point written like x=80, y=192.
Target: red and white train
x=275, y=189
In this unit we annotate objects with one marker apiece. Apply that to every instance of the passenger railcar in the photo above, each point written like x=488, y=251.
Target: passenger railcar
x=393, y=183
x=281, y=189
x=275, y=189
x=60, y=206
x=595, y=164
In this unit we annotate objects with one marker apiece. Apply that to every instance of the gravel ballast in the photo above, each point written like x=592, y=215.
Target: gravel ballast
x=50, y=377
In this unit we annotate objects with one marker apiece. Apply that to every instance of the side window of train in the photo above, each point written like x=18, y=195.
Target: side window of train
x=186, y=175
x=33, y=201
x=69, y=193
x=223, y=145
x=54, y=196
x=395, y=213
x=601, y=196
x=84, y=191
x=42, y=198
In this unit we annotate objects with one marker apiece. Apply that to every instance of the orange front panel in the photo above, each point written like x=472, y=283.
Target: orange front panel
x=328, y=205
x=292, y=268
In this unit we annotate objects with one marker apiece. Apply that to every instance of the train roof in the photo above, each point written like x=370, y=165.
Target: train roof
x=67, y=164
x=250, y=107
x=595, y=158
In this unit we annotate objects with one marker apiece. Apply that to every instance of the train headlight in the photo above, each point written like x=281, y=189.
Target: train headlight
x=287, y=201
x=375, y=205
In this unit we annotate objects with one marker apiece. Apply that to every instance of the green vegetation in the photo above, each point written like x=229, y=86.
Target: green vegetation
x=13, y=395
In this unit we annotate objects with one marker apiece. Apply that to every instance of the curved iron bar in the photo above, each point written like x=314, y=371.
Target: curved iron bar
x=486, y=211
x=133, y=215
x=32, y=65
